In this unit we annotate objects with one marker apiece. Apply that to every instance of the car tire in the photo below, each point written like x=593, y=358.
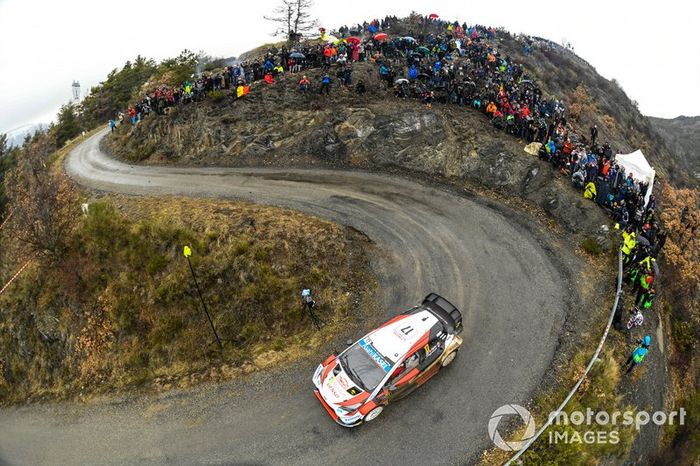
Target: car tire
x=447, y=360
x=374, y=414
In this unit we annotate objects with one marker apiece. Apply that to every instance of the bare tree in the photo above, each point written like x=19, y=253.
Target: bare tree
x=42, y=201
x=293, y=19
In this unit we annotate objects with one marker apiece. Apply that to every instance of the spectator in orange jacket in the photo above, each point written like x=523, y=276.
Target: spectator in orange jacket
x=491, y=108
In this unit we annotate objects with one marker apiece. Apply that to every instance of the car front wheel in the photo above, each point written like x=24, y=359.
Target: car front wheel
x=374, y=414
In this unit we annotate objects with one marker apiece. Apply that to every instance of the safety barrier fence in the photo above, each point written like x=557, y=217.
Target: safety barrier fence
x=2, y=225
x=14, y=277
x=563, y=404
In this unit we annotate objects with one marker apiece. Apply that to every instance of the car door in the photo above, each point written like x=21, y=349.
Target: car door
x=401, y=383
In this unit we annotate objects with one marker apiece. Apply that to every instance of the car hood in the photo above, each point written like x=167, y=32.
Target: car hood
x=334, y=388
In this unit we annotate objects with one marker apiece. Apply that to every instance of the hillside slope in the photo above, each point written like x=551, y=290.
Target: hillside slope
x=682, y=136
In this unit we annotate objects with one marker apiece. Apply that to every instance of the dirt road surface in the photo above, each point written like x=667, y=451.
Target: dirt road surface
x=498, y=269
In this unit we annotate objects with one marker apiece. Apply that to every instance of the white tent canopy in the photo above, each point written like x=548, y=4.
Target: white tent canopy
x=637, y=164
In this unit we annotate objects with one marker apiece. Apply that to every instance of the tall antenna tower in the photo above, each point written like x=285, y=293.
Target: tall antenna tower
x=76, y=91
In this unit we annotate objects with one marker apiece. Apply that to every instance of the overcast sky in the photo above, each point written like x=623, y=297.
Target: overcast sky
x=651, y=47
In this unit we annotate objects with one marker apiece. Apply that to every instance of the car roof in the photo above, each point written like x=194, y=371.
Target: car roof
x=396, y=338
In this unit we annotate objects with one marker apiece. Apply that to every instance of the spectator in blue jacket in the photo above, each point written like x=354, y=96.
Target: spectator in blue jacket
x=638, y=354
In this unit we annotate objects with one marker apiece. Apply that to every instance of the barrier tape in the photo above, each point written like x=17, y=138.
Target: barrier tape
x=6, y=219
x=563, y=404
x=14, y=277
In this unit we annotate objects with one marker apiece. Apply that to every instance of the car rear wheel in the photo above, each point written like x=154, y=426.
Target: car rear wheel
x=447, y=360
x=374, y=414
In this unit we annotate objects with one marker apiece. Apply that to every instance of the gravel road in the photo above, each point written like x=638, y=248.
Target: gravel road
x=500, y=272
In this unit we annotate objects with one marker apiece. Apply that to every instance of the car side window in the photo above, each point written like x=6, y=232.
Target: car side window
x=412, y=361
x=408, y=364
x=397, y=372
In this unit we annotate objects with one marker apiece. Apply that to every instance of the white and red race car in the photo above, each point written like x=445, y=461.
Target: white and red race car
x=389, y=362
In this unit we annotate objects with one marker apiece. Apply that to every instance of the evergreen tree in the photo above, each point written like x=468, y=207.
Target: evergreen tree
x=67, y=125
x=115, y=94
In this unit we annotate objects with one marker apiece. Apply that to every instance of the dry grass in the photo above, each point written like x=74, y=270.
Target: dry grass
x=119, y=310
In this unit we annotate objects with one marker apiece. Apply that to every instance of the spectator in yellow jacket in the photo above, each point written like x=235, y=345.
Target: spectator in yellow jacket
x=590, y=192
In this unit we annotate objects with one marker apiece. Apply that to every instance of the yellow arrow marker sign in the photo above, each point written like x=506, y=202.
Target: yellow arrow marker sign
x=187, y=252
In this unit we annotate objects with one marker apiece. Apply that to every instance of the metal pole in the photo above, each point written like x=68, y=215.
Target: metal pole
x=204, y=305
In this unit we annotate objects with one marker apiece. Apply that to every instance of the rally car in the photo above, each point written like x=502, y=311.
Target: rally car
x=389, y=362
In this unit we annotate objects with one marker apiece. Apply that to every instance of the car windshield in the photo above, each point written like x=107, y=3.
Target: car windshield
x=365, y=365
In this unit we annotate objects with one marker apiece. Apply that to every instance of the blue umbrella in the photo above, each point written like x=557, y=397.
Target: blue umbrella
x=408, y=39
x=297, y=55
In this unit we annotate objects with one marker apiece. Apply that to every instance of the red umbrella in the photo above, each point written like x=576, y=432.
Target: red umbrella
x=433, y=16
x=381, y=36
x=353, y=40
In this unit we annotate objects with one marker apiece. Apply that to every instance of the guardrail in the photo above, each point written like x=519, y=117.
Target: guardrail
x=563, y=404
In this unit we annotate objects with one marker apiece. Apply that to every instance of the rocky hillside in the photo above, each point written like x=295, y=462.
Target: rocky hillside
x=682, y=136
x=276, y=124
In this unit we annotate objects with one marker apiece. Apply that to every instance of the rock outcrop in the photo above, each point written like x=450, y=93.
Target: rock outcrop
x=277, y=126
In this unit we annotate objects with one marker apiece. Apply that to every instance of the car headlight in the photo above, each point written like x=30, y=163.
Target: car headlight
x=316, y=379
x=348, y=409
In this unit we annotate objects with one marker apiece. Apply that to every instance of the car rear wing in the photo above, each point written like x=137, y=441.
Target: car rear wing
x=445, y=311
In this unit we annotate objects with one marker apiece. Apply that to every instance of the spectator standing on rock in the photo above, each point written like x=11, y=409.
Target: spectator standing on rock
x=629, y=241
x=347, y=75
x=578, y=178
x=590, y=192
x=304, y=84
x=647, y=299
x=325, y=84
x=638, y=354
x=594, y=134
x=112, y=124
x=644, y=285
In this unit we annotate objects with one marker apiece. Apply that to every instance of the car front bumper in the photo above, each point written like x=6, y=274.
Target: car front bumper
x=338, y=415
x=345, y=421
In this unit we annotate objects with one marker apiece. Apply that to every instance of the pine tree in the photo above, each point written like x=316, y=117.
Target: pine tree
x=67, y=125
